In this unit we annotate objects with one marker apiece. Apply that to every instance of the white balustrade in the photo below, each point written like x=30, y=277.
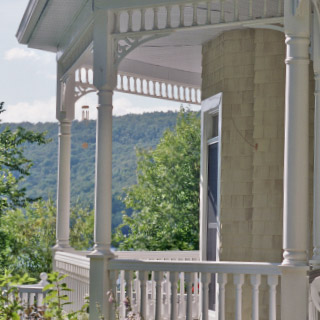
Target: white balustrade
x=139, y=85
x=134, y=84
x=32, y=295
x=165, y=285
x=194, y=14
x=76, y=266
x=174, y=298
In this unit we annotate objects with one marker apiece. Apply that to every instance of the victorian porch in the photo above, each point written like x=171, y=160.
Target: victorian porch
x=163, y=48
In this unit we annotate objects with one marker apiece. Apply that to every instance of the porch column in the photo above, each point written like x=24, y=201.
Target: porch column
x=63, y=192
x=316, y=178
x=65, y=115
x=103, y=176
x=104, y=81
x=294, y=291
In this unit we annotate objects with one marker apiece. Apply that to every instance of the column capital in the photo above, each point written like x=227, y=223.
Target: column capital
x=297, y=15
x=105, y=97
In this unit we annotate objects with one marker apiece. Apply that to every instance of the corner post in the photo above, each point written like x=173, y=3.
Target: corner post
x=105, y=81
x=294, y=293
x=65, y=115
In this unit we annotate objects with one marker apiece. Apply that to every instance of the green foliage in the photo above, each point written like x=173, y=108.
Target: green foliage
x=129, y=131
x=57, y=297
x=82, y=225
x=14, y=166
x=27, y=236
x=10, y=304
x=165, y=199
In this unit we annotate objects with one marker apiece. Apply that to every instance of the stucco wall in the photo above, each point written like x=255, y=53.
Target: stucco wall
x=248, y=67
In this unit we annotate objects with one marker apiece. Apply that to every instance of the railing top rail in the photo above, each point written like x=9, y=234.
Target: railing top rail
x=196, y=266
x=158, y=255
x=75, y=258
x=31, y=289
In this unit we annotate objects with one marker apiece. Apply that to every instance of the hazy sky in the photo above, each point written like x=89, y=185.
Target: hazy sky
x=27, y=78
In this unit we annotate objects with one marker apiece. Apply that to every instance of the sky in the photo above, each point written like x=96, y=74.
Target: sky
x=27, y=79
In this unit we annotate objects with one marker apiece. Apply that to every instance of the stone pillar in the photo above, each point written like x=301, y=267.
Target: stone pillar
x=294, y=291
x=105, y=81
x=63, y=192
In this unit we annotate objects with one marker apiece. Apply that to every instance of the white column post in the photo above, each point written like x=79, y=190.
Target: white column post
x=65, y=115
x=105, y=82
x=316, y=178
x=63, y=196
x=296, y=162
x=294, y=291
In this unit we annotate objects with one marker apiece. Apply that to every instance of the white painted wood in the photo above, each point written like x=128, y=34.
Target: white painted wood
x=210, y=106
x=189, y=281
x=31, y=294
x=196, y=296
x=112, y=297
x=181, y=95
x=174, y=277
x=272, y=283
x=159, y=255
x=181, y=296
x=238, y=280
x=143, y=277
x=205, y=280
x=255, y=283
x=63, y=194
x=128, y=279
x=122, y=295
x=222, y=281
x=158, y=277
x=194, y=266
x=105, y=81
x=296, y=159
x=316, y=177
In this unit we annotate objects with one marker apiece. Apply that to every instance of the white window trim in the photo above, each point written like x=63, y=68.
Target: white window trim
x=209, y=107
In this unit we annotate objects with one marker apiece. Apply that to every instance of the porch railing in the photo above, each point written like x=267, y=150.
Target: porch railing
x=142, y=282
x=76, y=265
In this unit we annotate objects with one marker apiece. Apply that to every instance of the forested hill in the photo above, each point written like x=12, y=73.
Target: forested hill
x=129, y=132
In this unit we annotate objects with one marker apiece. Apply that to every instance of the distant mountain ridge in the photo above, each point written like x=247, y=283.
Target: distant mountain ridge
x=129, y=131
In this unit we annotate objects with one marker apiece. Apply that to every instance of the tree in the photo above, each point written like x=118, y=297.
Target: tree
x=165, y=200
x=14, y=167
x=28, y=235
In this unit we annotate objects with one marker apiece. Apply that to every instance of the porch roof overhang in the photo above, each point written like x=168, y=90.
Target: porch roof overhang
x=57, y=25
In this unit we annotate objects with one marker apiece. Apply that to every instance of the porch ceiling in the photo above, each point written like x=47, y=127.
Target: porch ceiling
x=45, y=21
x=176, y=57
x=180, y=50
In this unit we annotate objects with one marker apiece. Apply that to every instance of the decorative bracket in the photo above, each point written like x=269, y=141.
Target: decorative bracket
x=63, y=93
x=124, y=45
